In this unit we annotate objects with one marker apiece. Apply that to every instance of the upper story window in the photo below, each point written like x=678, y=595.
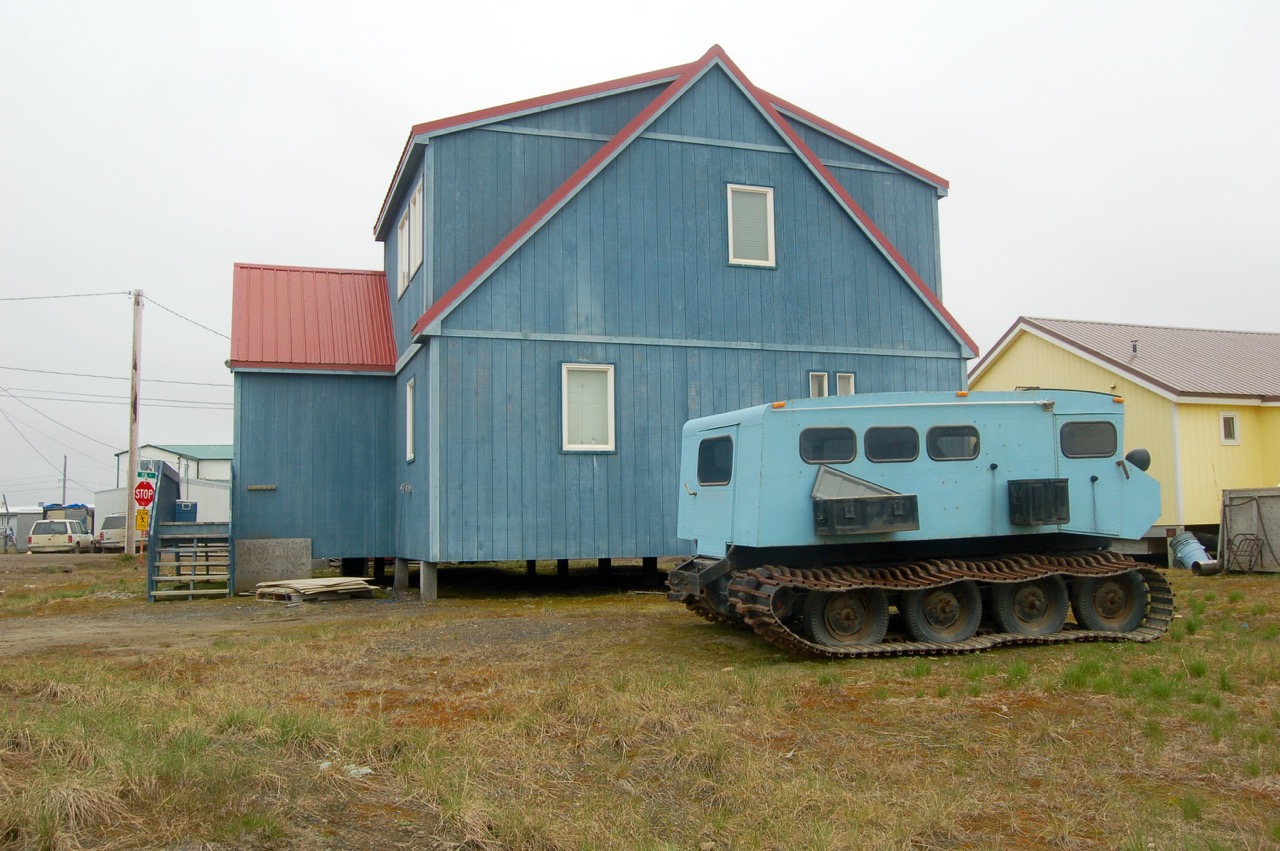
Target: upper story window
x=415, y=231
x=891, y=443
x=817, y=385
x=1089, y=439
x=587, y=407
x=751, y=226
x=952, y=443
x=844, y=384
x=1230, y=428
x=408, y=420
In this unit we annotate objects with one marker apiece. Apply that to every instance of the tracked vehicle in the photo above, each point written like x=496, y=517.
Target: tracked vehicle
x=920, y=523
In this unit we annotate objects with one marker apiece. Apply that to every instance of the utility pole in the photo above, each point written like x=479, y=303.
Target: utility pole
x=64, y=480
x=131, y=479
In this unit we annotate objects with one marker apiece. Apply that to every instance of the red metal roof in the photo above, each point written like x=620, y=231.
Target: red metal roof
x=689, y=74
x=288, y=317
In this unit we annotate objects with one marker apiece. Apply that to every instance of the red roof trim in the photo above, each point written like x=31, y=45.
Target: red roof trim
x=320, y=367
x=516, y=107
x=566, y=190
x=624, y=137
x=857, y=141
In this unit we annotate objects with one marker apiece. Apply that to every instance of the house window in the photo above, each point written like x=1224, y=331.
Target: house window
x=408, y=420
x=844, y=383
x=402, y=255
x=715, y=460
x=587, y=407
x=1230, y=428
x=817, y=385
x=415, y=231
x=750, y=225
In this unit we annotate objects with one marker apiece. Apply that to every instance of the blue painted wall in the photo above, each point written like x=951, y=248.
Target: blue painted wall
x=324, y=442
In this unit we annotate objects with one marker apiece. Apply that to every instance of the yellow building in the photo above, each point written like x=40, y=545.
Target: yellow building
x=1206, y=404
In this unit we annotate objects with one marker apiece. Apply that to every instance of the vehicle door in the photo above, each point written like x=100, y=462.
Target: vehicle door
x=1088, y=447
x=708, y=483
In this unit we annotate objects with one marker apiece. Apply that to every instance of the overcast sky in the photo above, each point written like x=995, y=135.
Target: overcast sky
x=1113, y=161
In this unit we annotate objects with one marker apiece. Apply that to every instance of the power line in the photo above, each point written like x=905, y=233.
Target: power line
x=60, y=443
x=183, y=404
x=48, y=297
x=55, y=422
x=120, y=399
x=116, y=377
x=42, y=458
x=185, y=318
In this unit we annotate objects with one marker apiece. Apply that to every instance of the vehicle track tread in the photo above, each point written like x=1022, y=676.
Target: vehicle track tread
x=751, y=594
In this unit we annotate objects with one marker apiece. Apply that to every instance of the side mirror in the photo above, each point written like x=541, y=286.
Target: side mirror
x=1139, y=458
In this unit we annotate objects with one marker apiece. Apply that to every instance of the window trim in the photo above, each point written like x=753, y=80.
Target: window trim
x=415, y=230
x=1234, y=418
x=853, y=386
x=402, y=255
x=767, y=192
x=610, y=405
x=825, y=388
x=1115, y=439
x=408, y=419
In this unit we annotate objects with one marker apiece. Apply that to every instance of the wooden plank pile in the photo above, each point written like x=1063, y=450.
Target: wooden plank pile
x=299, y=590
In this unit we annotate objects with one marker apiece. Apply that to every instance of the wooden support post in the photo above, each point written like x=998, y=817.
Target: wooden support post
x=531, y=567
x=402, y=574
x=606, y=566
x=650, y=570
x=379, y=571
x=562, y=568
x=428, y=579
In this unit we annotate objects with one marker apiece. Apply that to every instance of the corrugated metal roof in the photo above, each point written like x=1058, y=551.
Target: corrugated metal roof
x=287, y=317
x=194, y=451
x=1181, y=361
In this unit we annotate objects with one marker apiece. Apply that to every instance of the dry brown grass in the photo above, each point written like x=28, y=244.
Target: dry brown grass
x=597, y=719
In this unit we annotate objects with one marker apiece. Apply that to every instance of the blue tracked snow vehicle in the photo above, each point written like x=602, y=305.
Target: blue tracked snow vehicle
x=978, y=518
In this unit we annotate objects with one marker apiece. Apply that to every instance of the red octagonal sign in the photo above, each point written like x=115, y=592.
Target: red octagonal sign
x=144, y=494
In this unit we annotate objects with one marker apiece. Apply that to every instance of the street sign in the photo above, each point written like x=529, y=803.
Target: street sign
x=142, y=520
x=144, y=494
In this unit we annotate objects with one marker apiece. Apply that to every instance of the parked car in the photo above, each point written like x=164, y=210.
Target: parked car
x=59, y=536
x=111, y=533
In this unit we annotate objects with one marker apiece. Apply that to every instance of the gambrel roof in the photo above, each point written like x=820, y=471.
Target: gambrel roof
x=673, y=83
x=297, y=318
x=1177, y=363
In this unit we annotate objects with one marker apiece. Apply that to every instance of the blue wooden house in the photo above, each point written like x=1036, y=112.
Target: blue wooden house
x=569, y=279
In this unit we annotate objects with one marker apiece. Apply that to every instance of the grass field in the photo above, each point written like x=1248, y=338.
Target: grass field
x=576, y=715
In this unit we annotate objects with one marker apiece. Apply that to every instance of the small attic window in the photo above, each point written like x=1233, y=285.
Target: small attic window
x=750, y=226
x=1230, y=428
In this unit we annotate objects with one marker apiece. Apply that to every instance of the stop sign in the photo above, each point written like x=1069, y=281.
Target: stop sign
x=144, y=494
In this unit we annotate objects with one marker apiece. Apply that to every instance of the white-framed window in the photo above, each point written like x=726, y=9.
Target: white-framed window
x=408, y=420
x=750, y=225
x=402, y=255
x=817, y=385
x=844, y=384
x=587, y=407
x=1230, y=429
x=415, y=231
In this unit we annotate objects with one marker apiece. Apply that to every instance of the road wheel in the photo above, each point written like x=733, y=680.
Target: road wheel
x=1110, y=603
x=838, y=618
x=1037, y=607
x=943, y=615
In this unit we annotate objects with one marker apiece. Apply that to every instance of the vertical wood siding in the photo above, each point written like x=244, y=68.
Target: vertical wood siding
x=324, y=442
x=1208, y=466
x=508, y=492
x=602, y=116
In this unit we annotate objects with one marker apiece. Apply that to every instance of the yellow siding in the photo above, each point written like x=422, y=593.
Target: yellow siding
x=1269, y=433
x=1209, y=466
x=1030, y=361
